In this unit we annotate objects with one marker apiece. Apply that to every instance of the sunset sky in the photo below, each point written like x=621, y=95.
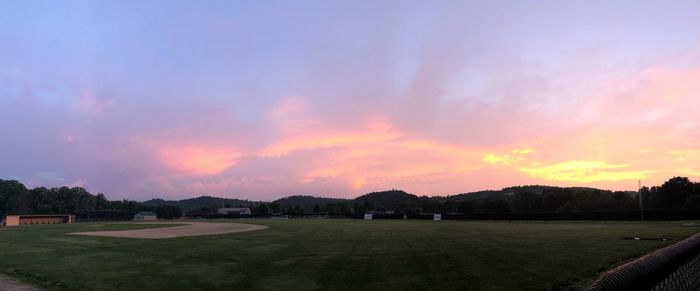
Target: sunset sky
x=265, y=99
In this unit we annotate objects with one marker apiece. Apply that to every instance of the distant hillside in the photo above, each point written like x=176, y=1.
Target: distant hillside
x=507, y=193
x=200, y=202
x=392, y=199
x=537, y=189
x=481, y=195
x=678, y=193
x=383, y=200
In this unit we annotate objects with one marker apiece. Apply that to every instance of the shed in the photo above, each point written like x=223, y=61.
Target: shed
x=145, y=216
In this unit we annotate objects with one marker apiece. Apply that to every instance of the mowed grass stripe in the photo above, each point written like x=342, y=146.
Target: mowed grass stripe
x=314, y=254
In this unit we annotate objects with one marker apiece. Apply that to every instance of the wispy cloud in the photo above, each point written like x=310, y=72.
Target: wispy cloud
x=91, y=104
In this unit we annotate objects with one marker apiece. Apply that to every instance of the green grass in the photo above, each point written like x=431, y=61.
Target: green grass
x=333, y=255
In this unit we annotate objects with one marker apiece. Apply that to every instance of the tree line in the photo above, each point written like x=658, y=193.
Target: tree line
x=15, y=198
x=678, y=193
x=674, y=194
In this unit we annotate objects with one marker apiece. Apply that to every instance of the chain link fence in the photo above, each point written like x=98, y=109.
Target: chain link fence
x=675, y=267
x=687, y=277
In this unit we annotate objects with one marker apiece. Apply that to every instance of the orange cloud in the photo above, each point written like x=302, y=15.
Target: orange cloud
x=190, y=158
x=323, y=141
x=496, y=159
x=522, y=151
x=375, y=132
x=585, y=172
x=580, y=171
x=198, y=160
x=674, y=85
x=507, y=159
x=684, y=155
x=394, y=162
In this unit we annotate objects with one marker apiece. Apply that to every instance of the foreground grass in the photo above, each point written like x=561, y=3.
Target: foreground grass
x=333, y=254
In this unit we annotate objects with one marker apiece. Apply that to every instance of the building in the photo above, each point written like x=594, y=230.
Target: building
x=15, y=220
x=145, y=216
x=234, y=211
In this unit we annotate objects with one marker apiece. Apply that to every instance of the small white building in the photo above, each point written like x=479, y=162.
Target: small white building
x=145, y=216
x=234, y=211
x=368, y=216
x=437, y=217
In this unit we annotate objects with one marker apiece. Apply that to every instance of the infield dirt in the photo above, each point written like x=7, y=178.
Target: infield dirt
x=11, y=284
x=179, y=230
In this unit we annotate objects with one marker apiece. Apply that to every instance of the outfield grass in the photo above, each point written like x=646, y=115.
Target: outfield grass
x=333, y=254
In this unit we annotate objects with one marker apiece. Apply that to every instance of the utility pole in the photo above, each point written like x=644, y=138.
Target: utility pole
x=641, y=206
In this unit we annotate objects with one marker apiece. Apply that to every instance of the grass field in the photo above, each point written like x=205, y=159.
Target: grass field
x=333, y=254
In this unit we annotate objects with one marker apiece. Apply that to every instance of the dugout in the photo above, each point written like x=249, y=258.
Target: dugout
x=15, y=220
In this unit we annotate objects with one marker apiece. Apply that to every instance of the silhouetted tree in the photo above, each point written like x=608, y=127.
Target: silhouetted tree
x=692, y=202
x=262, y=209
x=671, y=195
x=526, y=201
x=467, y=206
x=275, y=207
x=169, y=212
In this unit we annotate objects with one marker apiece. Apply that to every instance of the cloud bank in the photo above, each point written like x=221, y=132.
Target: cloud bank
x=261, y=101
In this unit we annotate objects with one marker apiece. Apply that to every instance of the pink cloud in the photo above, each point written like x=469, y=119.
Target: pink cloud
x=189, y=158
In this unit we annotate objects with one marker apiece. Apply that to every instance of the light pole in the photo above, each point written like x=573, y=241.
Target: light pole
x=641, y=205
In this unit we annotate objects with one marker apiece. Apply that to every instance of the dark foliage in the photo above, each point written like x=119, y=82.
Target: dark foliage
x=534, y=202
x=169, y=212
x=200, y=202
x=15, y=198
x=673, y=194
x=305, y=202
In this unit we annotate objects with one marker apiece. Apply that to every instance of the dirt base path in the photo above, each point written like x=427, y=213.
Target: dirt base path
x=191, y=229
x=12, y=284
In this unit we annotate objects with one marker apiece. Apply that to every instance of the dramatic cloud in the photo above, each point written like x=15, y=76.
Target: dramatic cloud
x=263, y=100
x=585, y=172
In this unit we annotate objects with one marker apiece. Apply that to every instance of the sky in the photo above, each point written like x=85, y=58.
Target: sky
x=265, y=99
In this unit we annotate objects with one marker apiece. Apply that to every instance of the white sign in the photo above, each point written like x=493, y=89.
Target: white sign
x=368, y=216
x=437, y=217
